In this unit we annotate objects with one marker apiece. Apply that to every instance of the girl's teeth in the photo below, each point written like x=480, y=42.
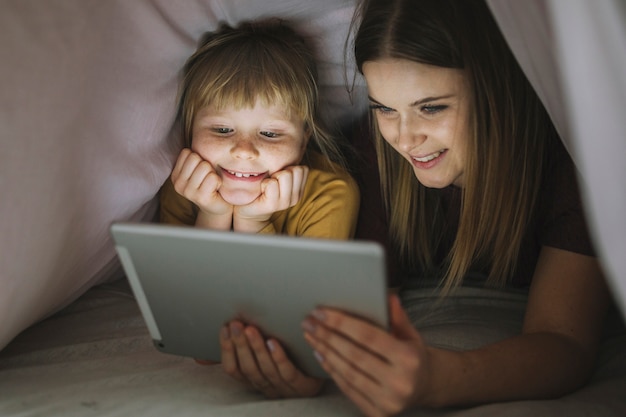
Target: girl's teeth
x=429, y=157
x=242, y=175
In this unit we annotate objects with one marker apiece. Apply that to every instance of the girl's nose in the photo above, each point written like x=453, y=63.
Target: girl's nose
x=244, y=148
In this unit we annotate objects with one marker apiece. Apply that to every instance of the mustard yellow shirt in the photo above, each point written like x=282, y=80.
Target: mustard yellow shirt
x=328, y=207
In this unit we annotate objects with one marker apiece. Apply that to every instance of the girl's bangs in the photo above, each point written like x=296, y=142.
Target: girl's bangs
x=243, y=88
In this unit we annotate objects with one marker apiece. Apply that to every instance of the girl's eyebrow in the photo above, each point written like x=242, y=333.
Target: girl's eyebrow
x=279, y=123
x=415, y=103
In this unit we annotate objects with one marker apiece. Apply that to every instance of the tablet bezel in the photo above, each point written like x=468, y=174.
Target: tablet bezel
x=188, y=282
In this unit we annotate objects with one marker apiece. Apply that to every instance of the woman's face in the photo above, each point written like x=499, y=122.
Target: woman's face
x=247, y=145
x=422, y=111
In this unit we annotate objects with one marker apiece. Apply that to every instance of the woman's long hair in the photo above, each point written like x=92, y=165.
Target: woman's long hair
x=509, y=131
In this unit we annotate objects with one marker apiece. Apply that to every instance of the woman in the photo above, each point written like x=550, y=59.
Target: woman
x=474, y=180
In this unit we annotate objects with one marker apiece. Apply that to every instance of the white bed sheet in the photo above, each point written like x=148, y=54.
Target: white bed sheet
x=96, y=358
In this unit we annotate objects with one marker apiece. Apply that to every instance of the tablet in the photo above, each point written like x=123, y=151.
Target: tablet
x=188, y=282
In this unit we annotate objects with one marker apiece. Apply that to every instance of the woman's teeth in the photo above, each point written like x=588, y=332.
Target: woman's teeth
x=429, y=157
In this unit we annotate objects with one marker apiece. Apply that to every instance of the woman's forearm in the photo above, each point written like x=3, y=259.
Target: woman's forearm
x=539, y=365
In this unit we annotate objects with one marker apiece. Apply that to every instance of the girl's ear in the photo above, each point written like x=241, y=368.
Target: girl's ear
x=308, y=132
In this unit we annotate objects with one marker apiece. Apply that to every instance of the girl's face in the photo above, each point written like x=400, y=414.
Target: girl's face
x=247, y=145
x=422, y=111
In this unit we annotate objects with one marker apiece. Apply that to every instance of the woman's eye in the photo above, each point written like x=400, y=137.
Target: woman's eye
x=269, y=134
x=382, y=110
x=432, y=109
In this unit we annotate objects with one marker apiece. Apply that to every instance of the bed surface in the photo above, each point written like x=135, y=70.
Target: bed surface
x=96, y=358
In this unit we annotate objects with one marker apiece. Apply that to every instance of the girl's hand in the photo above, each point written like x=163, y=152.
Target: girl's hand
x=263, y=365
x=279, y=192
x=196, y=180
x=382, y=373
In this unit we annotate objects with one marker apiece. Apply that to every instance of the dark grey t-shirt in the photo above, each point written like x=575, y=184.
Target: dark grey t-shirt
x=559, y=221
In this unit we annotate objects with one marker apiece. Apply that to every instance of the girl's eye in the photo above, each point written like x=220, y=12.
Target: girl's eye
x=269, y=134
x=222, y=130
x=432, y=109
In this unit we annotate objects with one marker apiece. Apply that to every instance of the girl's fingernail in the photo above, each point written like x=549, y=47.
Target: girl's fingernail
x=318, y=314
x=225, y=333
x=318, y=356
x=308, y=326
x=235, y=330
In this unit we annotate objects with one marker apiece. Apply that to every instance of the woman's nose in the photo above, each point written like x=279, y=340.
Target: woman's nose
x=244, y=148
x=410, y=135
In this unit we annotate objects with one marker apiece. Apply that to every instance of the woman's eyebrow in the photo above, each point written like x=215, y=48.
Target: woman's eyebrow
x=418, y=102
x=370, y=98
x=429, y=99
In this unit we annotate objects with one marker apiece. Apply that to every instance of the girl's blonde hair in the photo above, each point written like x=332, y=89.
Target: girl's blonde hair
x=508, y=139
x=263, y=60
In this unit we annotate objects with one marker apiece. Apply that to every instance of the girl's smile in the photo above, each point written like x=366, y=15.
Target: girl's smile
x=242, y=176
x=247, y=145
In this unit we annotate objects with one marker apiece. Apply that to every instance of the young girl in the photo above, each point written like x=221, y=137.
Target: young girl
x=475, y=182
x=257, y=160
x=256, y=156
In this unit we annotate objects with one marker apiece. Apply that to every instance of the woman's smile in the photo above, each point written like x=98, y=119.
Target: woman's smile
x=422, y=112
x=428, y=161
